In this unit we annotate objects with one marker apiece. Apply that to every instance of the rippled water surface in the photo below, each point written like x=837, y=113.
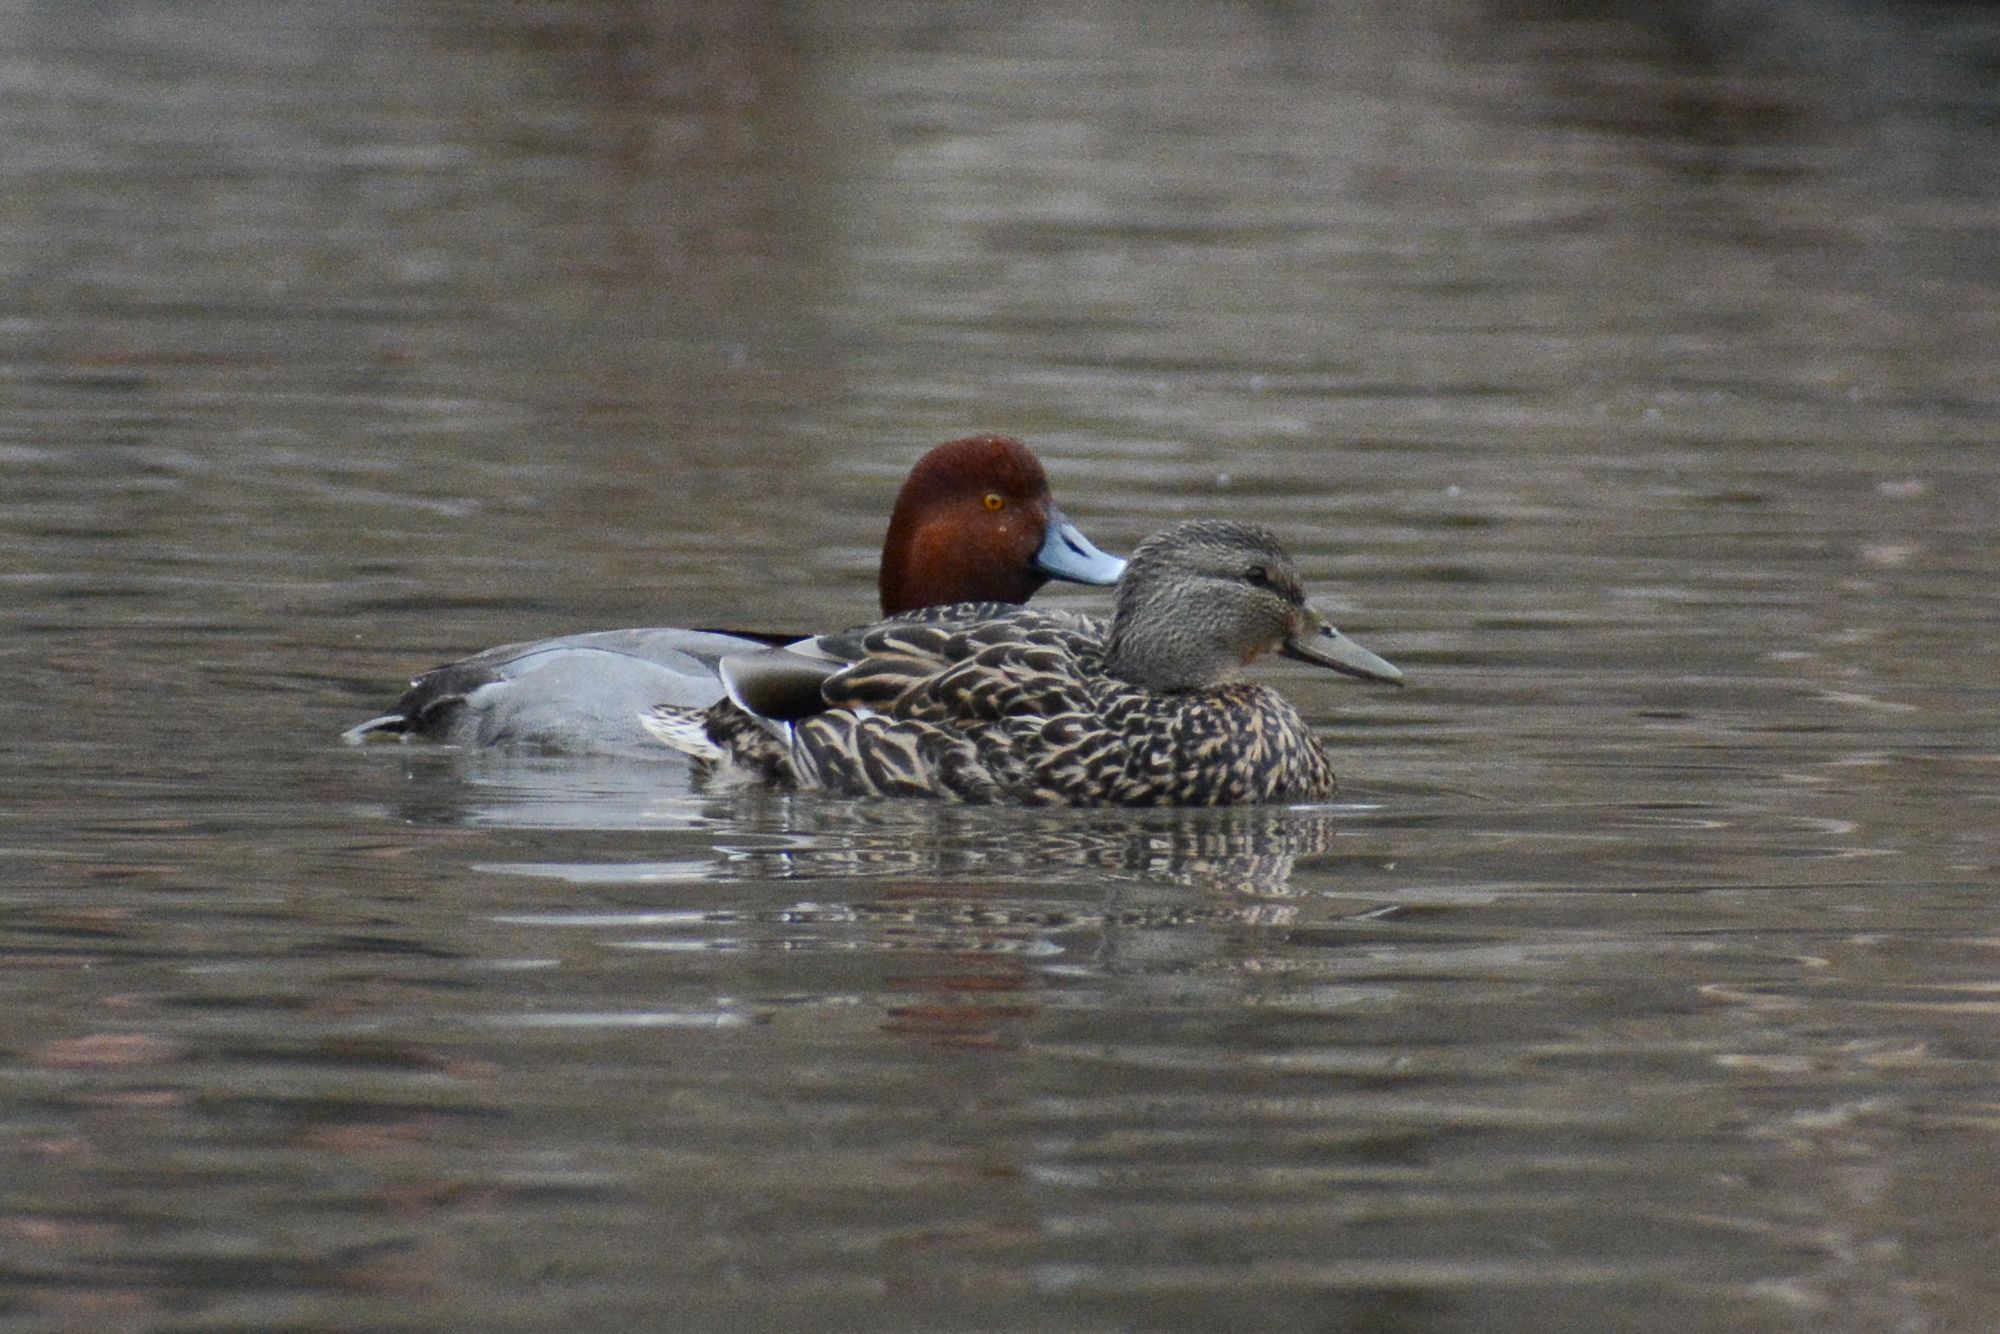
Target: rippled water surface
x=1625, y=373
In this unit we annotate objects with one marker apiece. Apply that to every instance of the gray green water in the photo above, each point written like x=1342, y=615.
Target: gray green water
x=1624, y=373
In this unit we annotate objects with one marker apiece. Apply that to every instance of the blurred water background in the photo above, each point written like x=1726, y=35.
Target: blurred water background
x=1624, y=372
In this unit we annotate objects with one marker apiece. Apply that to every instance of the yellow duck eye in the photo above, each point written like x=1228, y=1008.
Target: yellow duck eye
x=995, y=501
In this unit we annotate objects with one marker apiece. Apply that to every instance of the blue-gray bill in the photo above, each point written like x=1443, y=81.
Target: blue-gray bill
x=1067, y=554
x=1321, y=644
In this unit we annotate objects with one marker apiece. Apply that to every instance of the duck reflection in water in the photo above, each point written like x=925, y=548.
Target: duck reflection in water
x=964, y=857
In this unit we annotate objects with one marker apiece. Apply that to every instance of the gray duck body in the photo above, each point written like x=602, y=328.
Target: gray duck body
x=974, y=519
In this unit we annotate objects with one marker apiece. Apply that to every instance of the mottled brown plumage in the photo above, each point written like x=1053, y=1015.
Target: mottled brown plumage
x=981, y=704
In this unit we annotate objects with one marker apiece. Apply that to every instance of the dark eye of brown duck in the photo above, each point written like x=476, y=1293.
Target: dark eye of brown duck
x=1257, y=576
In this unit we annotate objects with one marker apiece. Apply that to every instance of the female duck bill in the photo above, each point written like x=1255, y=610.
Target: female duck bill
x=1317, y=642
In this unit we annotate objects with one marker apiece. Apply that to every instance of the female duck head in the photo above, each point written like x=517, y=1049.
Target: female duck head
x=1204, y=598
x=975, y=522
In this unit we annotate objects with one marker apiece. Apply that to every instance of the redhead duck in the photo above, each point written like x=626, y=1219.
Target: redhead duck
x=975, y=521
x=983, y=704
